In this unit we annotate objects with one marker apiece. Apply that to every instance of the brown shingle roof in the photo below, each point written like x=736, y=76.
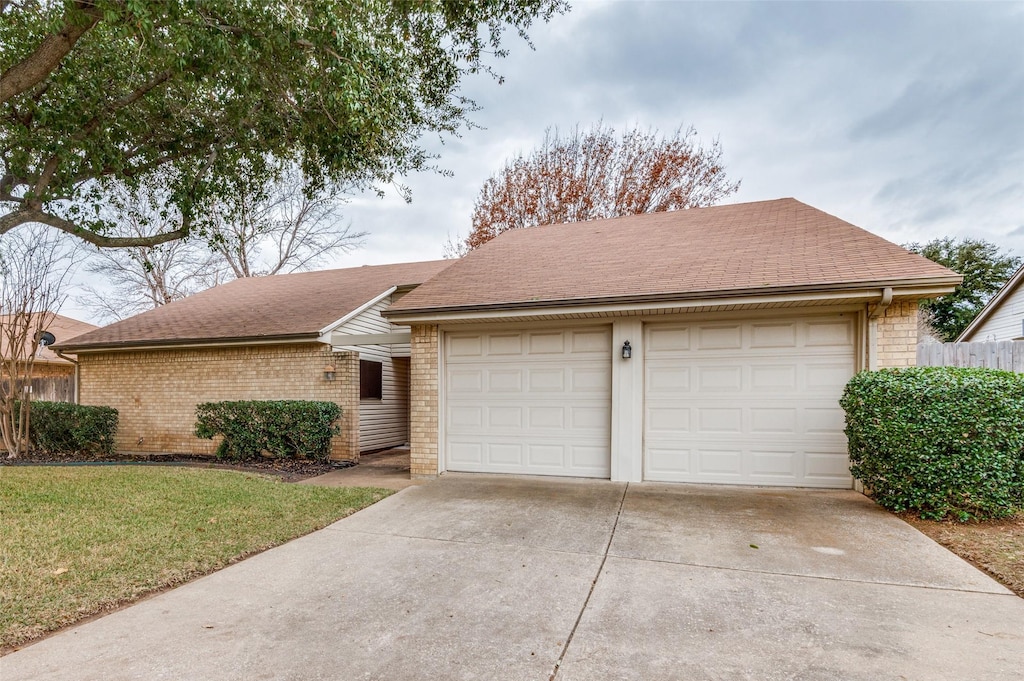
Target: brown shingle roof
x=764, y=246
x=280, y=306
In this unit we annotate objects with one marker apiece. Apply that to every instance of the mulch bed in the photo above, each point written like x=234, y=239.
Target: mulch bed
x=289, y=470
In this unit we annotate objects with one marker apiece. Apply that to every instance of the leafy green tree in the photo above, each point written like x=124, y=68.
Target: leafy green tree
x=985, y=268
x=95, y=92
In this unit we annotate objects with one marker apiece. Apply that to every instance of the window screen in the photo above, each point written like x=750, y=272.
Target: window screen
x=371, y=380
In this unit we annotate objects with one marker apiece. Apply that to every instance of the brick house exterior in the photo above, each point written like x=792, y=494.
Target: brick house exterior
x=156, y=391
x=265, y=338
x=769, y=267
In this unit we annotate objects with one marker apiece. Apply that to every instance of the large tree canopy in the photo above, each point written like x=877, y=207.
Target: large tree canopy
x=100, y=91
x=985, y=268
x=596, y=173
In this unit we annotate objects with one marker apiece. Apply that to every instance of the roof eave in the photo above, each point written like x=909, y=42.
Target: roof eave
x=920, y=288
x=190, y=343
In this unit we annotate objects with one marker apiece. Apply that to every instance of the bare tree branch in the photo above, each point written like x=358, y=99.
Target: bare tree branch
x=597, y=174
x=33, y=268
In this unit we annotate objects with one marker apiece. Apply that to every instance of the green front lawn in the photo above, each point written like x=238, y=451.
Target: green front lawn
x=75, y=541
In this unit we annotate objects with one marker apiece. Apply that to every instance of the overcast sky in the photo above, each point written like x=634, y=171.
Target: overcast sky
x=904, y=119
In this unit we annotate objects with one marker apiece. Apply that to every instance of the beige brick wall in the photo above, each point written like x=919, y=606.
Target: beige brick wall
x=423, y=392
x=156, y=391
x=897, y=335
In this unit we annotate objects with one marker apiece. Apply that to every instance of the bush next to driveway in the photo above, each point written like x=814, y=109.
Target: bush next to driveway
x=938, y=441
x=284, y=428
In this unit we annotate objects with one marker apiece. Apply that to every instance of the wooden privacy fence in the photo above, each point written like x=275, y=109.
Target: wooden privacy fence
x=1007, y=355
x=50, y=388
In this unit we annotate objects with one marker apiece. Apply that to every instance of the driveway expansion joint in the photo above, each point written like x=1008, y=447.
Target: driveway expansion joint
x=824, y=578
x=452, y=540
x=593, y=585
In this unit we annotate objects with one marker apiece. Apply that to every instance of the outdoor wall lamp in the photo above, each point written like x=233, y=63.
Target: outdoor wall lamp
x=627, y=351
x=329, y=372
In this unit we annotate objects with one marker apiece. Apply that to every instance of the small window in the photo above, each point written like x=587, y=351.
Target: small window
x=371, y=380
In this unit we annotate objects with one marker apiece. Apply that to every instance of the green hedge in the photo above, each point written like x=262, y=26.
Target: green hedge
x=283, y=428
x=939, y=441
x=64, y=428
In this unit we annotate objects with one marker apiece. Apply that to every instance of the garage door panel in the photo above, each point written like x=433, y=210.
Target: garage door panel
x=592, y=342
x=550, y=379
x=466, y=381
x=546, y=343
x=505, y=381
x=824, y=421
x=505, y=417
x=773, y=335
x=720, y=420
x=773, y=420
x=545, y=396
x=752, y=402
x=720, y=337
x=546, y=417
x=719, y=379
x=838, y=333
x=465, y=346
x=668, y=419
x=499, y=344
x=667, y=377
x=777, y=378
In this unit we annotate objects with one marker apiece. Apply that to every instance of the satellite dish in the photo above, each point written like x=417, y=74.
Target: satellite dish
x=47, y=338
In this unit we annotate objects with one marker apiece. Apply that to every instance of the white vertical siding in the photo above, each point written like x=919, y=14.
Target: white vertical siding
x=384, y=422
x=1005, y=322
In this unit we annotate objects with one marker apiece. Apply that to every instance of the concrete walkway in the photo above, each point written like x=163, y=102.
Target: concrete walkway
x=483, y=577
x=388, y=469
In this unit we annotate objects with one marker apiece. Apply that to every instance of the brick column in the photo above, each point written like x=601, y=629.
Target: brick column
x=423, y=401
x=897, y=335
x=345, y=445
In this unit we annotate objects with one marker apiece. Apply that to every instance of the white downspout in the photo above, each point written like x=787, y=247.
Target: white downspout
x=874, y=312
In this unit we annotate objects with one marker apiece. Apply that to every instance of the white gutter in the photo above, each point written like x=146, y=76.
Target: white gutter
x=865, y=295
x=883, y=305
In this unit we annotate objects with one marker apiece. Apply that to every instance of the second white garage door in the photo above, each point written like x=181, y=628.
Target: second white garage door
x=534, y=402
x=748, y=402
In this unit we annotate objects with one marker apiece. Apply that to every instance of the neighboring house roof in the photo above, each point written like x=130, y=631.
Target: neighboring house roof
x=993, y=305
x=748, y=248
x=63, y=328
x=278, y=307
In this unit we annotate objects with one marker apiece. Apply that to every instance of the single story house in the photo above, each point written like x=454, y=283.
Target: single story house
x=708, y=345
x=53, y=376
x=309, y=336
x=1002, y=319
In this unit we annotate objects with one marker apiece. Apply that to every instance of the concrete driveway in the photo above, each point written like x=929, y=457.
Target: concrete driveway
x=482, y=577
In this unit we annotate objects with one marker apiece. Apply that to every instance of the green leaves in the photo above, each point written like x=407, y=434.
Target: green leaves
x=345, y=87
x=939, y=441
x=284, y=428
x=985, y=269
x=63, y=428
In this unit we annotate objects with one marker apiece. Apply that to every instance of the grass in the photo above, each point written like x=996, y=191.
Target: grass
x=996, y=546
x=77, y=541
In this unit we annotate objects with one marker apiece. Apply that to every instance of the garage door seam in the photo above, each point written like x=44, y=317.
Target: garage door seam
x=593, y=585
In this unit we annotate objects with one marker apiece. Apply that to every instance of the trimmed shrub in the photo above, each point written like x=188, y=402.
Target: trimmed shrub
x=65, y=428
x=939, y=441
x=282, y=428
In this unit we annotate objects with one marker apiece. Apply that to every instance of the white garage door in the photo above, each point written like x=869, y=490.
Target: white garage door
x=748, y=402
x=535, y=401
